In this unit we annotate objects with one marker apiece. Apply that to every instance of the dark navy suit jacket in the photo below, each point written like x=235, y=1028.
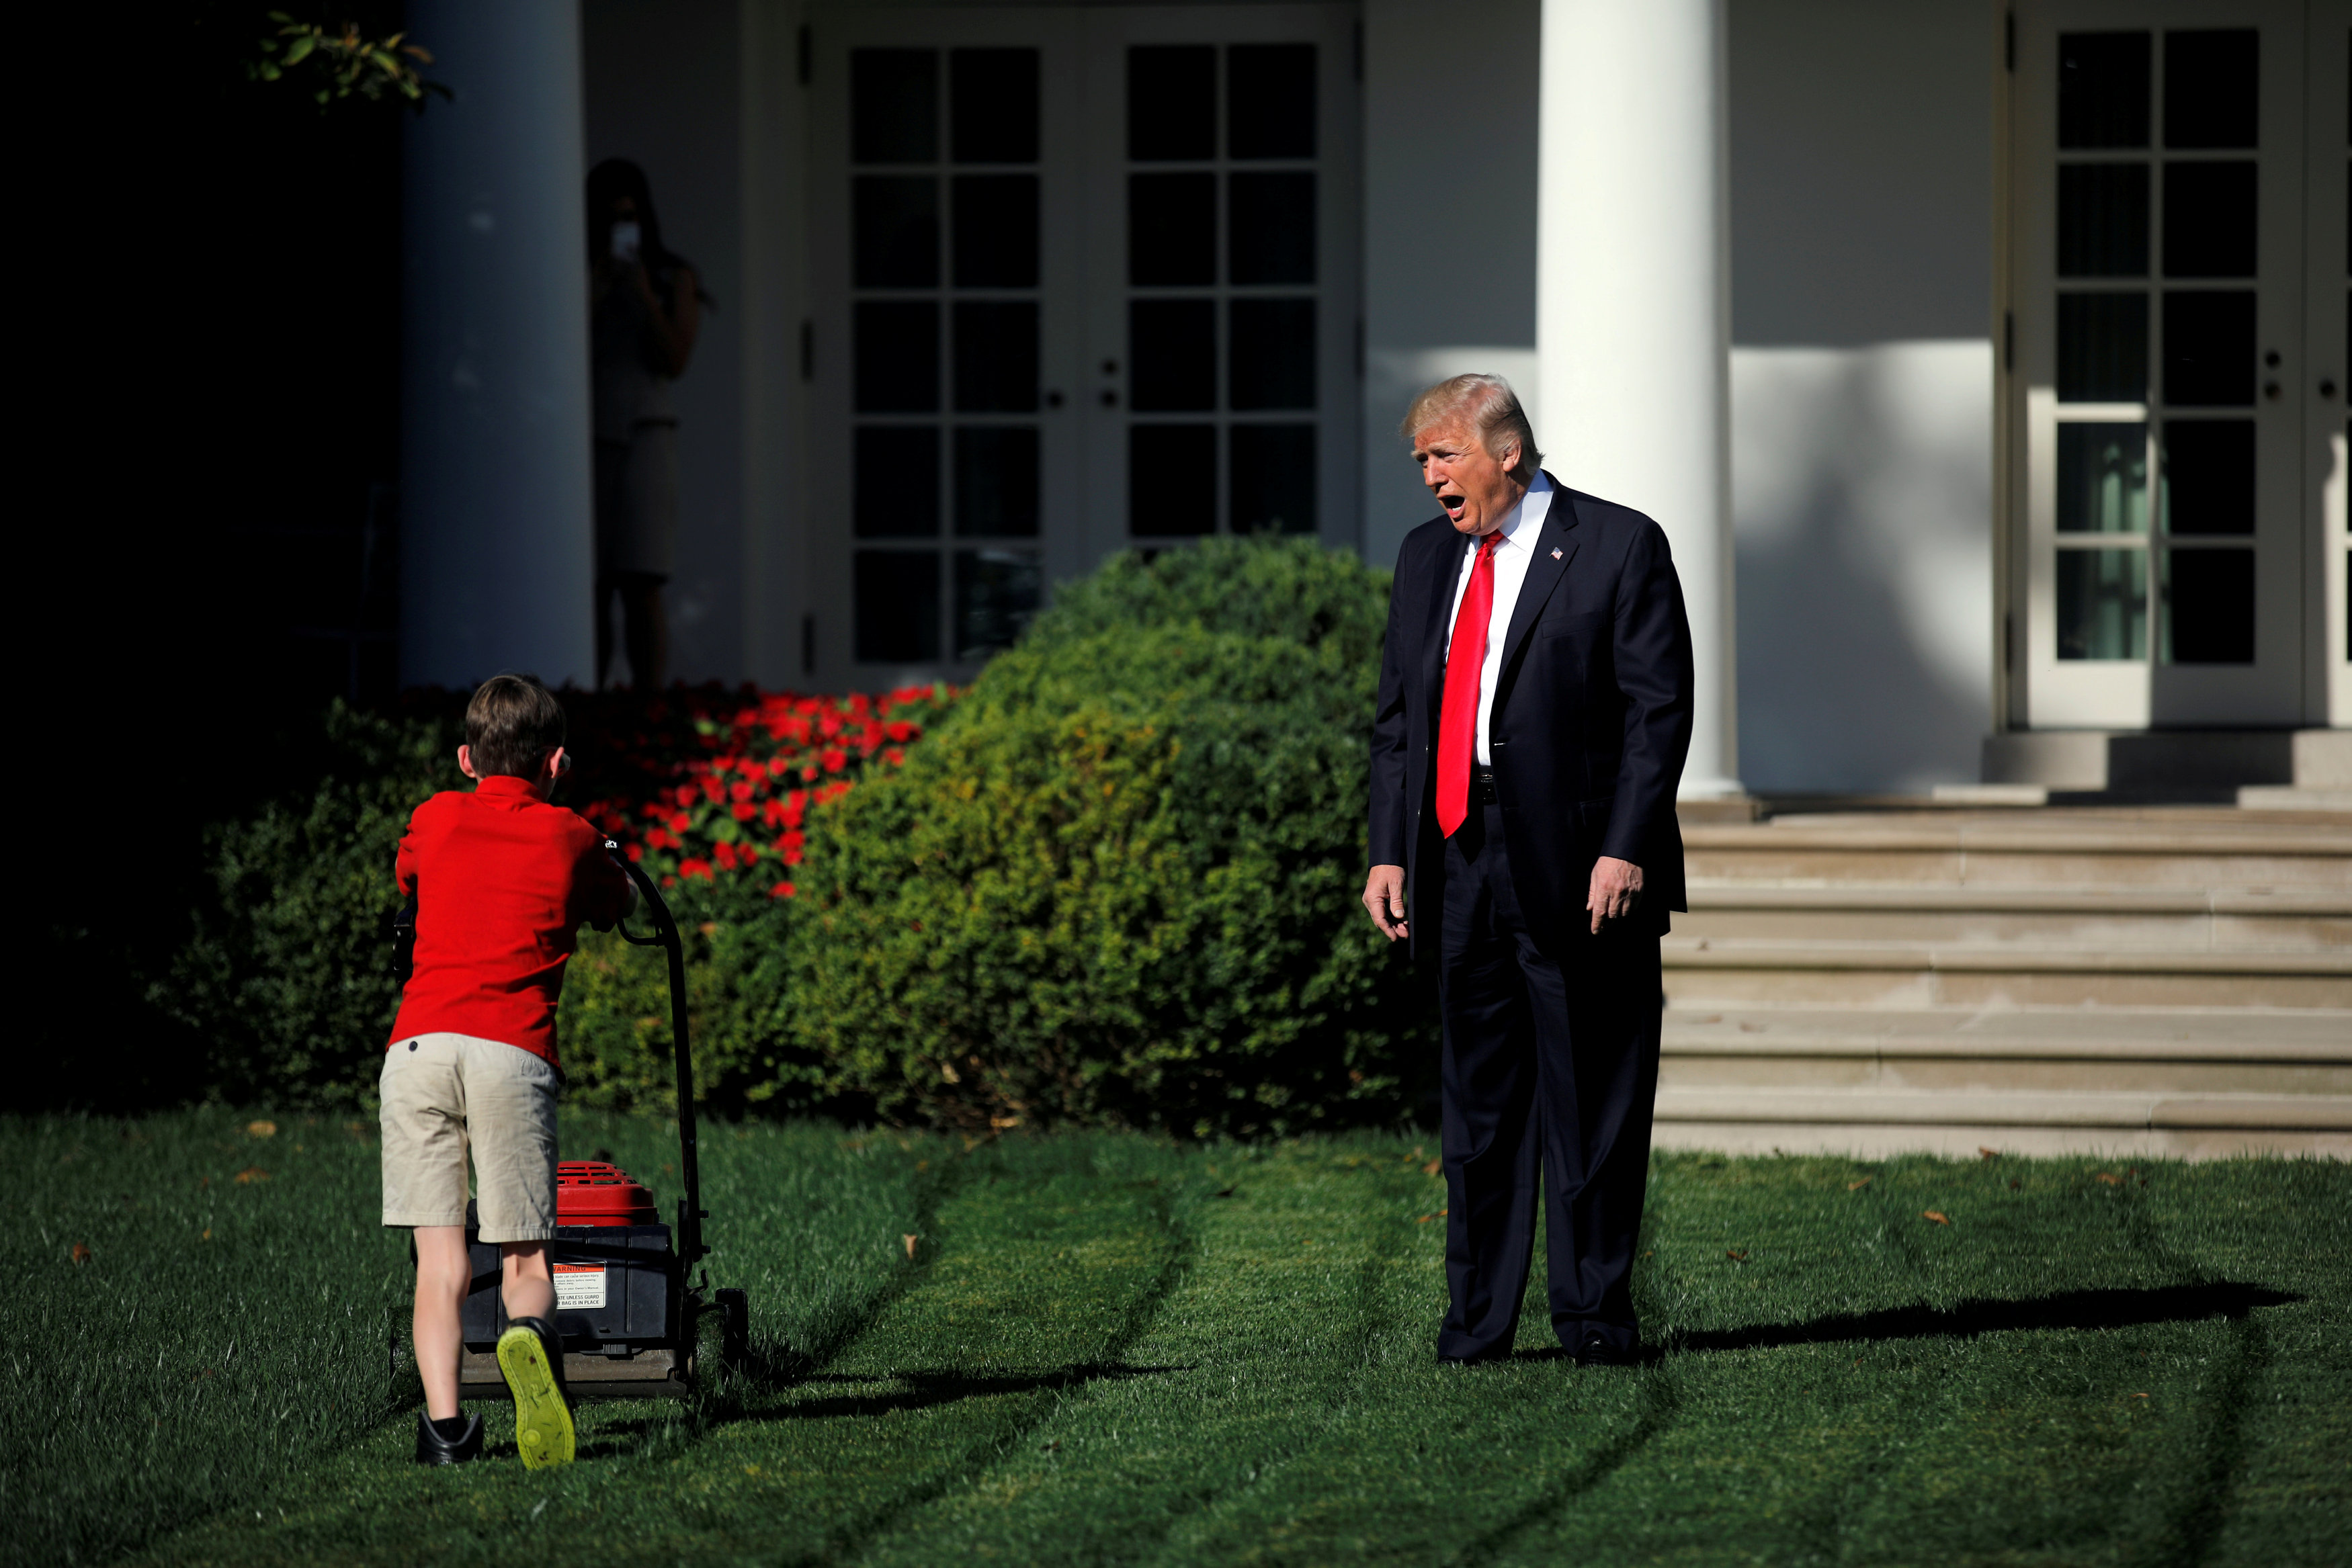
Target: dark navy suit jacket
x=1591, y=718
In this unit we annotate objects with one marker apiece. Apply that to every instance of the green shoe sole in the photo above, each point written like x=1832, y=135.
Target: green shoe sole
x=542, y=1422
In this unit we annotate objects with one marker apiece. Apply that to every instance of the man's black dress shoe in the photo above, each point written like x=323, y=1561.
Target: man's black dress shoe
x=1597, y=1352
x=432, y=1448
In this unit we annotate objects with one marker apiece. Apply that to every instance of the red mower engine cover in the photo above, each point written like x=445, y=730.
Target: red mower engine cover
x=589, y=1192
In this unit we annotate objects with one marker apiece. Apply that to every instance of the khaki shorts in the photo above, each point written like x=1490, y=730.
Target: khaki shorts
x=445, y=1093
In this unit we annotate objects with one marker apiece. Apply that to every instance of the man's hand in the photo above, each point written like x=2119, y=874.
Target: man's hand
x=1616, y=891
x=1385, y=897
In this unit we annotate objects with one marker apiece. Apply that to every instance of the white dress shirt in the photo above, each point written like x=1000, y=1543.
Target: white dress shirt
x=1519, y=530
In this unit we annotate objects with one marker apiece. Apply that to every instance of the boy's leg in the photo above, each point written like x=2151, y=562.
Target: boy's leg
x=443, y=1273
x=528, y=1287
x=511, y=1096
x=424, y=1125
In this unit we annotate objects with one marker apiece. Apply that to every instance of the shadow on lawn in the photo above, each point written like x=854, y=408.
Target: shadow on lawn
x=2066, y=1309
x=927, y=1389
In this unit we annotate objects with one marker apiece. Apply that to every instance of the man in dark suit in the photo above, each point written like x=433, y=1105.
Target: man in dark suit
x=1535, y=709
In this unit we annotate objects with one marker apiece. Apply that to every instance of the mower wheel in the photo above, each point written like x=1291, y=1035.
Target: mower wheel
x=734, y=1328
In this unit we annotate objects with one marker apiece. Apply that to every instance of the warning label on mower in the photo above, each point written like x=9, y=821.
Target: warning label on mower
x=579, y=1286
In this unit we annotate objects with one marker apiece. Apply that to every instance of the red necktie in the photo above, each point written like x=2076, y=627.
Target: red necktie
x=1457, y=716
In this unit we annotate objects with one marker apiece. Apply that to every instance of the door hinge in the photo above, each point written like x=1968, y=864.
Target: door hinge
x=2008, y=41
x=2008, y=339
x=2008, y=641
x=808, y=350
x=804, y=55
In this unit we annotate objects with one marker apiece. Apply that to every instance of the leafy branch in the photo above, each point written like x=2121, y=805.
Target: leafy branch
x=345, y=63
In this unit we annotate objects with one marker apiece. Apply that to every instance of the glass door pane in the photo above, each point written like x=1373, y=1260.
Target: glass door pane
x=2156, y=291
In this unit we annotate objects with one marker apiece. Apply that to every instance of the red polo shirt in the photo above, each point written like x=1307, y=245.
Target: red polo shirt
x=502, y=882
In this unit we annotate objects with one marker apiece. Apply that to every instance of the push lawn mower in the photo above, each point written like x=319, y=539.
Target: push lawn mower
x=625, y=1303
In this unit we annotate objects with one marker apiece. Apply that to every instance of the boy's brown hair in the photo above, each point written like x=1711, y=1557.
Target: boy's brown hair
x=513, y=722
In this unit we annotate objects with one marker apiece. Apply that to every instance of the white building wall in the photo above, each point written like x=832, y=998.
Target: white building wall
x=1862, y=387
x=662, y=87
x=1450, y=97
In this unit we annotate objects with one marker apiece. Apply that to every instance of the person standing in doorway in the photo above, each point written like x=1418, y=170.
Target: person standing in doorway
x=645, y=305
x=1533, y=718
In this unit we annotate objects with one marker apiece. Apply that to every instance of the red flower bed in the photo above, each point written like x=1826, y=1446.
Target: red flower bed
x=707, y=783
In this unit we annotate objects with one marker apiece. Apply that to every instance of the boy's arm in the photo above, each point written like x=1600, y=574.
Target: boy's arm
x=602, y=892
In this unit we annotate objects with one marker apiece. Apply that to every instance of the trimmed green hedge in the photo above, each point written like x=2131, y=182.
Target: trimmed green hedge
x=1116, y=883
x=1120, y=884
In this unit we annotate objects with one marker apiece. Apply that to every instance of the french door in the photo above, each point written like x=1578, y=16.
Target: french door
x=2165, y=363
x=1082, y=279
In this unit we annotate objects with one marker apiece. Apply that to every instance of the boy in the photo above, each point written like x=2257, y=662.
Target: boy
x=502, y=881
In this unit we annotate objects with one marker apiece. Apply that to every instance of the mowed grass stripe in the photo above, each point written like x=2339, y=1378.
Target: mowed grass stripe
x=1292, y=1295
x=1955, y=1433
x=1042, y=1267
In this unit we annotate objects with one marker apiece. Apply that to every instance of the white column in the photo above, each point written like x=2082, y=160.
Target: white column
x=497, y=533
x=1633, y=304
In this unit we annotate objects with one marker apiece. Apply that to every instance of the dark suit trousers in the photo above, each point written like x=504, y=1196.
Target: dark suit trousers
x=1550, y=1065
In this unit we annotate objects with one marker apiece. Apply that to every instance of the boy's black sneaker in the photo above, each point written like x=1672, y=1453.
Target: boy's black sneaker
x=530, y=1354
x=434, y=1447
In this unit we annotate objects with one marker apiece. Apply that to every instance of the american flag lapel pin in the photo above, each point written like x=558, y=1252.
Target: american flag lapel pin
x=1555, y=554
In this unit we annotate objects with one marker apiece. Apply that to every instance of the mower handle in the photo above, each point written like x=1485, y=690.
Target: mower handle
x=690, y=1249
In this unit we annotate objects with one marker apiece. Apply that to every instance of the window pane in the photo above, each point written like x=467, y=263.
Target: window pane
x=897, y=357
x=1172, y=229
x=1270, y=110
x=1273, y=353
x=896, y=487
x=1171, y=102
x=2103, y=89
x=993, y=105
x=2208, y=350
x=2208, y=476
x=1271, y=227
x=897, y=594
x=2102, y=348
x=893, y=106
x=995, y=357
x=2103, y=479
x=2211, y=87
x=996, y=595
x=1171, y=479
x=996, y=482
x=2103, y=220
x=2102, y=604
x=2209, y=220
x=995, y=231
x=2209, y=607
x=1172, y=345
x=1274, y=478
x=896, y=227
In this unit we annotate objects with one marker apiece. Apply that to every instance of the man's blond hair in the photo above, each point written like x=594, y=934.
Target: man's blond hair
x=1489, y=404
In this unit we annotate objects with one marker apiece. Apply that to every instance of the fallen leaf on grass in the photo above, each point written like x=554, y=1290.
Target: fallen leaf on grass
x=1651, y=1253
x=922, y=1164
x=2111, y=1180
x=911, y=1241
x=261, y=1129
x=2139, y=1396
x=1050, y=1446
x=1002, y=1123
x=80, y=1253
x=1735, y=1256
x=207, y=1236
x=1857, y=1185
x=1988, y=1154
x=2016, y=1183
x=250, y=1174
x=1432, y=1167
x=1935, y=1214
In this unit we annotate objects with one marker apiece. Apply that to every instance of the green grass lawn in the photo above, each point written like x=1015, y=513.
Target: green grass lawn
x=1115, y=1349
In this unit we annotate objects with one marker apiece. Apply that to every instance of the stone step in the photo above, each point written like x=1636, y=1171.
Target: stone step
x=1701, y=971
x=1940, y=913
x=1878, y=1122
x=2024, y=848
